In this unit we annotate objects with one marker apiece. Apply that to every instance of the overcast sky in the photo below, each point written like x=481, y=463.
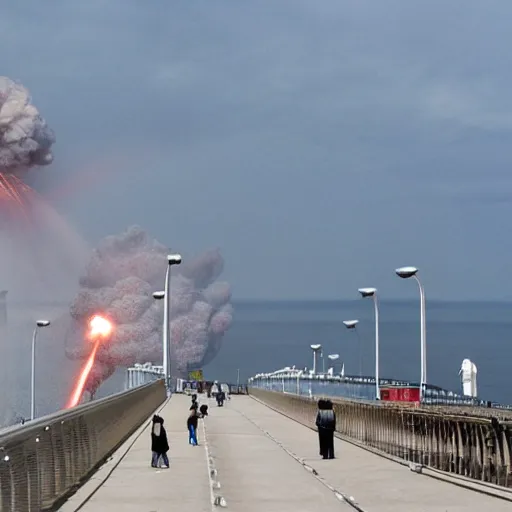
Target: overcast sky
x=319, y=144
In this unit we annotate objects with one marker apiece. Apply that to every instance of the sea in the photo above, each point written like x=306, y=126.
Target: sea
x=270, y=335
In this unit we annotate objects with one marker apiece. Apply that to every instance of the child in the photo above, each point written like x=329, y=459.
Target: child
x=159, y=443
x=192, y=426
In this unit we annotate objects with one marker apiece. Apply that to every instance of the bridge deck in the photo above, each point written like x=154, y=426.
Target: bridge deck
x=260, y=458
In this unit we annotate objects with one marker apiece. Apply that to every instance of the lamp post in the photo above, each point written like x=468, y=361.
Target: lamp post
x=333, y=358
x=315, y=349
x=406, y=273
x=39, y=324
x=352, y=325
x=372, y=293
x=172, y=259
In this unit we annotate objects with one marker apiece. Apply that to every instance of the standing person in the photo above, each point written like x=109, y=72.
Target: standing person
x=159, y=443
x=330, y=430
x=192, y=426
x=321, y=437
x=326, y=424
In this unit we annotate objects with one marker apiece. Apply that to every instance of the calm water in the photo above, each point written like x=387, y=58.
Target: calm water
x=266, y=336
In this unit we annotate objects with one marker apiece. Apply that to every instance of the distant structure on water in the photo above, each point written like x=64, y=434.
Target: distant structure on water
x=468, y=373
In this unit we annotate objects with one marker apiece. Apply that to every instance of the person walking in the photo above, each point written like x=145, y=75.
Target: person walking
x=159, y=443
x=326, y=424
x=192, y=426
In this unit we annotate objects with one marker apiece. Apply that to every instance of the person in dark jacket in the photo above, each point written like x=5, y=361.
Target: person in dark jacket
x=159, y=443
x=321, y=407
x=326, y=424
x=192, y=426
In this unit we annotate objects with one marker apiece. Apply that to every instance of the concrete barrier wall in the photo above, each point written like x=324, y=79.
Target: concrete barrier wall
x=478, y=447
x=43, y=461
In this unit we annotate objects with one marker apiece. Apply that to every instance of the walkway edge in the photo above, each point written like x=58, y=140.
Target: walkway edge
x=341, y=496
x=84, y=494
x=217, y=500
x=472, y=485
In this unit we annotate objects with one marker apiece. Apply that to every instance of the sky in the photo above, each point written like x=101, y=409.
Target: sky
x=319, y=145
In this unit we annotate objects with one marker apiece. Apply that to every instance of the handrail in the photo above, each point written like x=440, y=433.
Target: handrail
x=478, y=447
x=46, y=460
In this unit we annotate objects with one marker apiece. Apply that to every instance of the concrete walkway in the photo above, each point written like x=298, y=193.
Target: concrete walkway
x=254, y=472
x=253, y=459
x=375, y=483
x=133, y=486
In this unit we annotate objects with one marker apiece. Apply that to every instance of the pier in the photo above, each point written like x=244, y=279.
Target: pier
x=256, y=451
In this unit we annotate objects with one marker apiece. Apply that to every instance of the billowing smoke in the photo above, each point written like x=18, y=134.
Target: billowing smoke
x=25, y=138
x=120, y=279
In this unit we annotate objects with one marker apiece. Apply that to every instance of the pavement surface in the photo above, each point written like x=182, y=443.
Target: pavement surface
x=376, y=484
x=251, y=459
x=134, y=486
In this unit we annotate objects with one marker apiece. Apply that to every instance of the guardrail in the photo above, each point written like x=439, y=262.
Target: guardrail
x=474, y=446
x=359, y=388
x=141, y=374
x=46, y=460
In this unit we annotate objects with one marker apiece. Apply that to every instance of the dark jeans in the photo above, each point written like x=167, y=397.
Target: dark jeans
x=326, y=439
x=155, y=459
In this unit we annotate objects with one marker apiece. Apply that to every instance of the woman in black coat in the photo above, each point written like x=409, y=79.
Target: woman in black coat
x=326, y=424
x=159, y=443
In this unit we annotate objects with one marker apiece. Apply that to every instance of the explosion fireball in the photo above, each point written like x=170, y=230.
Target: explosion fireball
x=25, y=142
x=100, y=328
x=33, y=236
x=121, y=276
x=119, y=279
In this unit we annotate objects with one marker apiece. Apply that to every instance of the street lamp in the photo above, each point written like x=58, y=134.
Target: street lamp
x=160, y=296
x=172, y=259
x=372, y=293
x=39, y=324
x=351, y=325
x=333, y=358
x=315, y=349
x=406, y=273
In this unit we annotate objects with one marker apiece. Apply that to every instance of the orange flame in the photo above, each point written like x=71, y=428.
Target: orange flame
x=100, y=328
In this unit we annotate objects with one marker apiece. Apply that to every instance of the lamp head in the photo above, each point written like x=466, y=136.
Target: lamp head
x=316, y=347
x=174, y=259
x=406, y=272
x=367, y=292
x=158, y=295
x=43, y=323
x=333, y=357
x=350, y=324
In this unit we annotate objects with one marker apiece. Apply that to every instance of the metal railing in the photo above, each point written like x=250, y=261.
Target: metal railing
x=300, y=383
x=46, y=460
x=141, y=374
x=472, y=442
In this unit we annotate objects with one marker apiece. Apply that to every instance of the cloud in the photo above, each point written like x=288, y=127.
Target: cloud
x=245, y=114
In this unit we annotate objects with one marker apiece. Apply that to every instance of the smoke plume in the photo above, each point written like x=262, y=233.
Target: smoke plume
x=119, y=281
x=25, y=138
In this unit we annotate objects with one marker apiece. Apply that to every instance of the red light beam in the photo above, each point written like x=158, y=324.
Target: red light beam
x=100, y=328
x=82, y=378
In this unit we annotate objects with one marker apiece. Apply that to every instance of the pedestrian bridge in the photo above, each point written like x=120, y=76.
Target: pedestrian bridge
x=251, y=456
